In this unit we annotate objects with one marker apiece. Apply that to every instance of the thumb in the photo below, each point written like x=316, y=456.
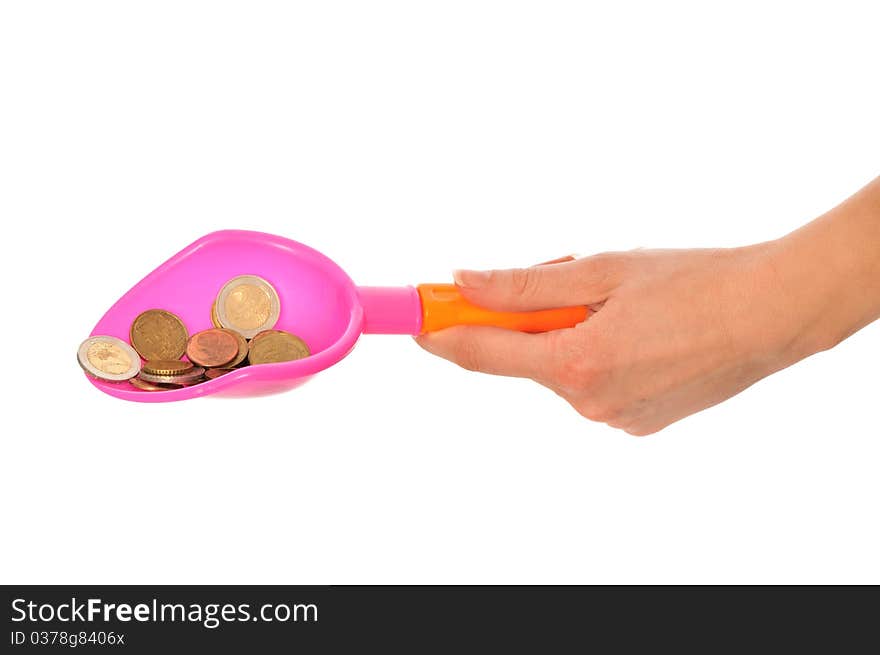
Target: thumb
x=581, y=282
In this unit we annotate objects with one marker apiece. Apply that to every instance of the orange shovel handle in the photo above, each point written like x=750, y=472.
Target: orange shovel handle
x=443, y=306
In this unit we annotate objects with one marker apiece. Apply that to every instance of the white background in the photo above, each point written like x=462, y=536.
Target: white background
x=404, y=140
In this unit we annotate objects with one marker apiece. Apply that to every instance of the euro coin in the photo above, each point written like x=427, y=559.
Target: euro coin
x=214, y=347
x=215, y=320
x=184, y=379
x=212, y=373
x=167, y=367
x=158, y=334
x=248, y=304
x=147, y=386
x=242, y=353
x=271, y=346
x=242, y=348
x=108, y=358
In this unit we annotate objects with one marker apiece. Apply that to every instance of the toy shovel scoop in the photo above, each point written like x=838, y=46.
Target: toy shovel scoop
x=319, y=303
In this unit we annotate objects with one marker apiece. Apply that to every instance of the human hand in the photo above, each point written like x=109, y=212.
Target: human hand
x=674, y=331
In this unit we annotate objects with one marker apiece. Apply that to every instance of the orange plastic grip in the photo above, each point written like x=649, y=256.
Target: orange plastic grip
x=443, y=306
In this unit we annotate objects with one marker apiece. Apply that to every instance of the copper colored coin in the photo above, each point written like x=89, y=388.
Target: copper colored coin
x=146, y=386
x=167, y=367
x=242, y=348
x=214, y=347
x=212, y=373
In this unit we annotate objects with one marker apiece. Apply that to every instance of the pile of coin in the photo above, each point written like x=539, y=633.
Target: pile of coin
x=244, y=314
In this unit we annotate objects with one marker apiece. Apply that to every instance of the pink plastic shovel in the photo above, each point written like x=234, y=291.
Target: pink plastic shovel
x=319, y=303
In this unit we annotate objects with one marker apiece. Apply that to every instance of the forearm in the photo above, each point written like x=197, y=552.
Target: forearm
x=829, y=271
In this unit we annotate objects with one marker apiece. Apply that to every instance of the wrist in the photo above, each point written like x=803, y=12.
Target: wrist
x=828, y=274
x=805, y=292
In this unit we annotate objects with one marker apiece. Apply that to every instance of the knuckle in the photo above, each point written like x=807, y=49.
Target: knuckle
x=638, y=431
x=571, y=373
x=605, y=259
x=596, y=411
x=603, y=270
x=523, y=282
x=577, y=369
x=618, y=420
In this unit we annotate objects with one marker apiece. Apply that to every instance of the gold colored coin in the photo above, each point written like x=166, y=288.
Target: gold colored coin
x=108, y=358
x=167, y=367
x=214, y=318
x=242, y=349
x=192, y=376
x=158, y=334
x=248, y=304
x=272, y=346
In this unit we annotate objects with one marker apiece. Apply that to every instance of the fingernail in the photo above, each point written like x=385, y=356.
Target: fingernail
x=471, y=279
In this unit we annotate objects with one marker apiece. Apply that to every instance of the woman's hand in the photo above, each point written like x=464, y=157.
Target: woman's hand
x=673, y=331
x=676, y=331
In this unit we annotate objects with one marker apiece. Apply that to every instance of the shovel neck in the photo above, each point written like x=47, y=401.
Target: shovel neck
x=391, y=310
